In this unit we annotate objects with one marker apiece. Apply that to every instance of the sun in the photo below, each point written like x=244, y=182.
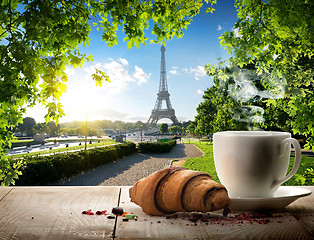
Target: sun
x=83, y=98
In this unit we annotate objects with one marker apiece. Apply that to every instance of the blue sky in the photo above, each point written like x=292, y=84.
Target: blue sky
x=135, y=73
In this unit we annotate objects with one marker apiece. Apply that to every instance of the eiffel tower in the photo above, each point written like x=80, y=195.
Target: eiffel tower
x=163, y=95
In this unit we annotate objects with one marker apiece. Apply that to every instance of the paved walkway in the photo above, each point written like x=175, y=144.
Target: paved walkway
x=128, y=170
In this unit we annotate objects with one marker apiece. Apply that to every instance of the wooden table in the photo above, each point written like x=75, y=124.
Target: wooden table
x=56, y=213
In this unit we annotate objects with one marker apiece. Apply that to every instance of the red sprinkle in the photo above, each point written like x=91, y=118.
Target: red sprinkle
x=89, y=212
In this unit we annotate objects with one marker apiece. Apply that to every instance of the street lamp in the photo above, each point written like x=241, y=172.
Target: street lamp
x=86, y=133
x=125, y=130
x=141, y=132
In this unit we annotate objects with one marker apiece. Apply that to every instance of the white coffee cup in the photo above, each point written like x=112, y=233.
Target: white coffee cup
x=253, y=164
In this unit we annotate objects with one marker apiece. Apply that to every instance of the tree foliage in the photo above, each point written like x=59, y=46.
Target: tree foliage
x=39, y=39
x=27, y=126
x=163, y=128
x=215, y=113
x=53, y=128
x=278, y=35
x=176, y=129
x=242, y=99
x=227, y=105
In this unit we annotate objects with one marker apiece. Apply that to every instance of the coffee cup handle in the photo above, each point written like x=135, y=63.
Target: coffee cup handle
x=297, y=160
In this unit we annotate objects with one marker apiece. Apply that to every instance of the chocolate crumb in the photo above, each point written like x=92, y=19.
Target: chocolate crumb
x=117, y=210
x=193, y=219
x=111, y=217
x=226, y=212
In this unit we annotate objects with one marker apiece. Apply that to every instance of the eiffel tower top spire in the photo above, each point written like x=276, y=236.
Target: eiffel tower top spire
x=163, y=74
x=163, y=95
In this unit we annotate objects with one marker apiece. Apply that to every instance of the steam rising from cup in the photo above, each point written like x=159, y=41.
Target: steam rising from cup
x=246, y=87
x=250, y=114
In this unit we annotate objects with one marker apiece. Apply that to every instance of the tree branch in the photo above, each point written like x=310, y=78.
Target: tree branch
x=4, y=50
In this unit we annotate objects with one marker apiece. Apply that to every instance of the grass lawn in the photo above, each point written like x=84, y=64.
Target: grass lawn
x=304, y=175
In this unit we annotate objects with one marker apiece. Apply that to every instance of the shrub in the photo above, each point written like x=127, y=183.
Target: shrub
x=41, y=170
x=159, y=147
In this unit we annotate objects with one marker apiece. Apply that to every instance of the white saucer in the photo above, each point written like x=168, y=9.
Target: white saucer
x=282, y=198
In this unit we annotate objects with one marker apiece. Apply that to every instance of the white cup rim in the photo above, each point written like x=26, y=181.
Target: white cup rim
x=252, y=133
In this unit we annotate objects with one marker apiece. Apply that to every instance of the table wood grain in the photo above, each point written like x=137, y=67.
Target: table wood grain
x=56, y=213
x=295, y=222
x=4, y=191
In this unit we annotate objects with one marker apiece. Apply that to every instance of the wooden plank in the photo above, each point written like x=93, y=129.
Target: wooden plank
x=4, y=191
x=274, y=225
x=303, y=210
x=56, y=213
x=160, y=227
x=303, y=204
x=238, y=225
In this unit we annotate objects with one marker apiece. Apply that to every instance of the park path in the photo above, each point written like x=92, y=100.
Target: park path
x=126, y=171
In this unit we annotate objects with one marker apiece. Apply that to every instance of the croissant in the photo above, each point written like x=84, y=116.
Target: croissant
x=178, y=189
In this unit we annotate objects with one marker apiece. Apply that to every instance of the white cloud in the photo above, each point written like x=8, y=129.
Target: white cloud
x=124, y=61
x=198, y=72
x=219, y=27
x=200, y=92
x=94, y=113
x=236, y=33
x=174, y=71
x=140, y=75
x=120, y=74
x=69, y=71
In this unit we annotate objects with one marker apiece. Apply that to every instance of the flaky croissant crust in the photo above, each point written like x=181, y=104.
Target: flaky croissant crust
x=178, y=189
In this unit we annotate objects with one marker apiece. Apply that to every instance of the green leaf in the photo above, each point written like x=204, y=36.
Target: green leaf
x=300, y=178
x=130, y=43
x=210, y=9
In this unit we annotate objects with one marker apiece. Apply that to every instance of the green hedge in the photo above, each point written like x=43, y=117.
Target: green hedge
x=24, y=143
x=41, y=170
x=156, y=147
